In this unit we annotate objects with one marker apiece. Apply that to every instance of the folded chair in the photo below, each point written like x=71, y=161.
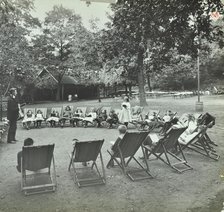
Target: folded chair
x=38, y=169
x=201, y=143
x=165, y=150
x=83, y=152
x=125, y=150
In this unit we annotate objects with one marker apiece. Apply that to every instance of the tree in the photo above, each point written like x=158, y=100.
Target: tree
x=172, y=24
x=56, y=47
x=15, y=57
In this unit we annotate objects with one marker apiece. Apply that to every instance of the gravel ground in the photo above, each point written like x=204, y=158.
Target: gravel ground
x=200, y=189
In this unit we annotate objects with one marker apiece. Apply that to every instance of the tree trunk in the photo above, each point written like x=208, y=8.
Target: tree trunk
x=149, y=83
x=58, y=96
x=129, y=88
x=126, y=89
x=141, y=81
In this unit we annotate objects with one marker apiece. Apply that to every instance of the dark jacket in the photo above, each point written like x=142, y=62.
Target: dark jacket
x=12, y=108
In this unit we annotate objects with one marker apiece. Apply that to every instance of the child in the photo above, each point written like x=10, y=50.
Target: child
x=125, y=115
x=191, y=130
x=122, y=129
x=28, y=119
x=54, y=117
x=101, y=117
x=112, y=119
x=27, y=142
x=89, y=118
x=67, y=114
x=39, y=118
x=77, y=116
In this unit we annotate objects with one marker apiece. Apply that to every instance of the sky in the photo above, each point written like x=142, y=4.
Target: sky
x=95, y=10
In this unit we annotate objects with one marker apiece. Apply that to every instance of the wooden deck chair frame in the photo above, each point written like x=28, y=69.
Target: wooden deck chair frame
x=83, y=152
x=167, y=146
x=127, y=148
x=35, y=159
x=202, y=144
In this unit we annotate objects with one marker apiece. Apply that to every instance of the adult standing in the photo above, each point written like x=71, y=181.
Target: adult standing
x=125, y=115
x=12, y=114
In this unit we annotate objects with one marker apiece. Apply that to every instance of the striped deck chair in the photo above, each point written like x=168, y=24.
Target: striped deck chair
x=38, y=169
x=125, y=150
x=165, y=147
x=84, y=152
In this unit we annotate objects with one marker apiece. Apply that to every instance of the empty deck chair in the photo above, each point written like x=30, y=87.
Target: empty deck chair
x=125, y=150
x=165, y=150
x=83, y=152
x=200, y=142
x=38, y=169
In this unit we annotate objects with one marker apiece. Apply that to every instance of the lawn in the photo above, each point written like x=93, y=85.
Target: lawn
x=193, y=190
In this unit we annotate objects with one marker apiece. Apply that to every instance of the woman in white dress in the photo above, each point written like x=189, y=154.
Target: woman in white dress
x=125, y=115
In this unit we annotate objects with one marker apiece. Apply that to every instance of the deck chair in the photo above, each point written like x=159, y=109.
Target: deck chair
x=64, y=120
x=201, y=144
x=136, y=116
x=44, y=112
x=108, y=109
x=25, y=110
x=83, y=152
x=83, y=109
x=209, y=121
x=165, y=150
x=56, y=109
x=38, y=169
x=126, y=150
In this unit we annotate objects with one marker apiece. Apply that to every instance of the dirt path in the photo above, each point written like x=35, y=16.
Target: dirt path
x=194, y=190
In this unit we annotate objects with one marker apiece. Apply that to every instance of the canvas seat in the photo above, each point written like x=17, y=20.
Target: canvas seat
x=38, y=169
x=44, y=113
x=200, y=142
x=165, y=150
x=125, y=151
x=56, y=119
x=83, y=152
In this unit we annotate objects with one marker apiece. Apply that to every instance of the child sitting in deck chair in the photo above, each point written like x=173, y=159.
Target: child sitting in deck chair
x=90, y=117
x=54, y=117
x=122, y=129
x=27, y=142
x=28, y=119
x=102, y=116
x=112, y=119
x=76, y=117
x=66, y=115
x=39, y=118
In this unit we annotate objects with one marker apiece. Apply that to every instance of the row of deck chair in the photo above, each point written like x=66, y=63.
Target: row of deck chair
x=35, y=159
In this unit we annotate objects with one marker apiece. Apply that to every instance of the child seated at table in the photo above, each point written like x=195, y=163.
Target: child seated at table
x=112, y=119
x=28, y=119
x=76, y=117
x=54, y=118
x=39, y=118
x=122, y=129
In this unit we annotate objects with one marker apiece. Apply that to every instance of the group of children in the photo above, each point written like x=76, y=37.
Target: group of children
x=94, y=117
